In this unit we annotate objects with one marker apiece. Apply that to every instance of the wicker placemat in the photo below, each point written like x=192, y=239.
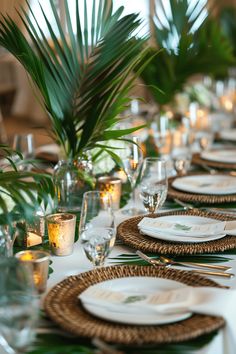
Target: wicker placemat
x=198, y=198
x=63, y=307
x=128, y=232
x=197, y=160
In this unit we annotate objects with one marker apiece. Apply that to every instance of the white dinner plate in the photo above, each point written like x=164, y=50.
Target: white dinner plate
x=206, y=184
x=229, y=134
x=224, y=155
x=135, y=286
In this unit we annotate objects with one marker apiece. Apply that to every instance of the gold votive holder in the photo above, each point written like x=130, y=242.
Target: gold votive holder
x=61, y=233
x=108, y=185
x=38, y=262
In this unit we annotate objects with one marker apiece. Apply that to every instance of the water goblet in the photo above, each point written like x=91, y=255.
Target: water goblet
x=132, y=165
x=97, y=226
x=181, y=153
x=162, y=134
x=24, y=143
x=19, y=306
x=153, y=185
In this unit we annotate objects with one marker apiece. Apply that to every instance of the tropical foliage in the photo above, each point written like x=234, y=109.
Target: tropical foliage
x=190, y=43
x=84, y=85
x=21, y=192
x=227, y=19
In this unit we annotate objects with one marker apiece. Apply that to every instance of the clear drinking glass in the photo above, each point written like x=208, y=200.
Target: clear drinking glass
x=162, y=134
x=181, y=153
x=97, y=226
x=153, y=185
x=132, y=165
x=19, y=306
x=24, y=143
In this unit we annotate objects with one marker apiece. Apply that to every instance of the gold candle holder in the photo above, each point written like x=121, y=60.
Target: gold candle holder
x=38, y=261
x=111, y=185
x=61, y=233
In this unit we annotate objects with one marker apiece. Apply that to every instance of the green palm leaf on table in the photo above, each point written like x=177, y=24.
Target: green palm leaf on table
x=84, y=86
x=190, y=42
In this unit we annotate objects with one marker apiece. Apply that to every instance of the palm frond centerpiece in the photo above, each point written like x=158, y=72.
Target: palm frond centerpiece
x=83, y=74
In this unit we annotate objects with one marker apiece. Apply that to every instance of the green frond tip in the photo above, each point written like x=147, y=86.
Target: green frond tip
x=81, y=73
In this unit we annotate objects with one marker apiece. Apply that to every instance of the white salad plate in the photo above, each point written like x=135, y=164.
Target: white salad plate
x=131, y=312
x=206, y=184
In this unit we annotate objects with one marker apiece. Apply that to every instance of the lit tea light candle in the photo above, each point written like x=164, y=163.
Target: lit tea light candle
x=110, y=186
x=38, y=262
x=61, y=233
x=227, y=103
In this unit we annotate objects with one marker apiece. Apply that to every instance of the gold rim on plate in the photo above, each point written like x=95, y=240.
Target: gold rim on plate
x=129, y=233
x=64, y=308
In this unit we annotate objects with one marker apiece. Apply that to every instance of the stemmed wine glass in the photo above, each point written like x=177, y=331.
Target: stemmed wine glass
x=19, y=305
x=24, y=143
x=153, y=184
x=181, y=153
x=132, y=165
x=161, y=134
x=97, y=226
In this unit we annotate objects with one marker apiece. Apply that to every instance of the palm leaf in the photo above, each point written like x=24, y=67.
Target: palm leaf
x=84, y=87
x=191, y=42
x=26, y=190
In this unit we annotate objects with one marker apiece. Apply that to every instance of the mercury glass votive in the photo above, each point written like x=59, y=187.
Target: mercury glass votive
x=111, y=186
x=38, y=262
x=61, y=233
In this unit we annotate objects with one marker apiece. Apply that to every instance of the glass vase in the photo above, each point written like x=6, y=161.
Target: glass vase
x=72, y=178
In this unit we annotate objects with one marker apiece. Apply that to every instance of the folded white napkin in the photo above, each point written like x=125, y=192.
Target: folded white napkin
x=202, y=300
x=186, y=228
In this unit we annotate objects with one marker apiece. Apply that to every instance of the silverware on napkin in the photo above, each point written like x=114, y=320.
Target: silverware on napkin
x=157, y=263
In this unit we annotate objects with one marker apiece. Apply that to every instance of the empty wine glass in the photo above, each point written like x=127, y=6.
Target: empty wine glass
x=201, y=128
x=97, y=226
x=19, y=305
x=161, y=134
x=153, y=185
x=181, y=153
x=132, y=163
x=24, y=143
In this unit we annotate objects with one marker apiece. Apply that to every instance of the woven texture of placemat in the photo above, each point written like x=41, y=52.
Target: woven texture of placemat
x=197, y=198
x=63, y=307
x=197, y=160
x=129, y=233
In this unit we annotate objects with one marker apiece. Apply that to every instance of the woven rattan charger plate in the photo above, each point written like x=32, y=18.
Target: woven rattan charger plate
x=198, y=198
x=63, y=307
x=128, y=232
x=197, y=160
